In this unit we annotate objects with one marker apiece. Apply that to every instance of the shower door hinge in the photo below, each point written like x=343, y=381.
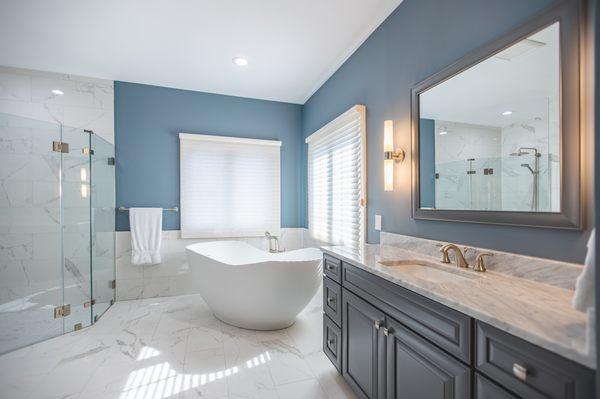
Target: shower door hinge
x=62, y=311
x=89, y=303
x=59, y=146
x=112, y=284
x=111, y=160
x=87, y=151
x=96, y=318
x=77, y=327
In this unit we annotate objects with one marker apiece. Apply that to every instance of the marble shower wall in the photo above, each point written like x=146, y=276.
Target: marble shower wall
x=87, y=103
x=32, y=275
x=541, y=133
x=455, y=188
x=172, y=276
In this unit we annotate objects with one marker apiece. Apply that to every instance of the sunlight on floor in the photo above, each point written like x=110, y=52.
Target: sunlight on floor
x=160, y=381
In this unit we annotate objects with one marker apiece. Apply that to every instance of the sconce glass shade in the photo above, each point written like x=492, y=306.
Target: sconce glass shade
x=388, y=173
x=388, y=135
x=388, y=164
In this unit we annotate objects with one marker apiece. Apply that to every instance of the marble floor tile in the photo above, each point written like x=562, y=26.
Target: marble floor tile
x=174, y=348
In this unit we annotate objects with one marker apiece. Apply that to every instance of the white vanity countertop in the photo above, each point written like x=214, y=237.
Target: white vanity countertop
x=536, y=312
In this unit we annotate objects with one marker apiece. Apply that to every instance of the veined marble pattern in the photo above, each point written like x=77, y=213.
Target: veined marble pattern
x=87, y=103
x=174, y=348
x=558, y=274
x=538, y=313
x=172, y=276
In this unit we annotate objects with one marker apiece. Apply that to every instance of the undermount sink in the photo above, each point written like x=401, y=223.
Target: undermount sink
x=427, y=271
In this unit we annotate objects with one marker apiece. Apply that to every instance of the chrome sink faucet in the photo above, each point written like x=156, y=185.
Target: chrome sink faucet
x=273, y=243
x=458, y=255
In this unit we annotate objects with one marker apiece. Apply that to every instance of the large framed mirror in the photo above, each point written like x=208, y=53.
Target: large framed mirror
x=496, y=136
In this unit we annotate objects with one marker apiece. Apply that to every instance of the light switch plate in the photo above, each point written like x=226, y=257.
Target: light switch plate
x=378, y=222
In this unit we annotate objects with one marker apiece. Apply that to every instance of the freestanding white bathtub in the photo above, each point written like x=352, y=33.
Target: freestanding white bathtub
x=254, y=289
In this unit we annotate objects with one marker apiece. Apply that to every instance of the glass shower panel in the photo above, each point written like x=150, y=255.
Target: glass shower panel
x=103, y=225
x=31, y=278
x=76, y=206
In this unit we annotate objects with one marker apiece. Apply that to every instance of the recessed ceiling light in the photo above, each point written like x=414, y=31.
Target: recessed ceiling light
x=443, y=132
x=58, y=92
x=506, y=113
x=240, y=61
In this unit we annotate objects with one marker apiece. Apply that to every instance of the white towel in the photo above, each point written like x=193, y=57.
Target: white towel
x=585, y=294
x=146, y=233
x=585, y=288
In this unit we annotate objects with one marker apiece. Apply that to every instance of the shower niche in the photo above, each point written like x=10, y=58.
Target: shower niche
x=496, y=135
x=57, y=230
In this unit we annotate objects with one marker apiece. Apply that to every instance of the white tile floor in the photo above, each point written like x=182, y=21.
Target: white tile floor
x=174, y=348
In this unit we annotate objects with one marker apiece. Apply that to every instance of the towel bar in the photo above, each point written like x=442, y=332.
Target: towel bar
x=174, y=209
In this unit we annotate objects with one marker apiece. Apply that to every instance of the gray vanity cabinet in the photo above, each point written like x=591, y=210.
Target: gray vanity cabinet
x=392, y=343
x=416, y=369
x=362, y=346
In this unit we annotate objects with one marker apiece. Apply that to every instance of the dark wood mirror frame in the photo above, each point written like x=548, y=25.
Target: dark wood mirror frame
x=567, y=13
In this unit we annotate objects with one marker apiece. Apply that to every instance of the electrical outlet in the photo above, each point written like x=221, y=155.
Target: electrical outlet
x=378, y=222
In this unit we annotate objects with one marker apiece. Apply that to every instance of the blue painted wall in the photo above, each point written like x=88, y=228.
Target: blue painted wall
x=418, y=39
x=148, y=120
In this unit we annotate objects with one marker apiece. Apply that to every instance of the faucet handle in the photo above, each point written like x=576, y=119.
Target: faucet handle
x=480, y=265
x=444, y=252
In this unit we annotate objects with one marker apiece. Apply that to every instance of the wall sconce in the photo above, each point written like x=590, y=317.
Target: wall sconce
x=391, y=155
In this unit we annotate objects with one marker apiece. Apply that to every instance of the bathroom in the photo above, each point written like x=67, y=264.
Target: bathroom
x=341, y=199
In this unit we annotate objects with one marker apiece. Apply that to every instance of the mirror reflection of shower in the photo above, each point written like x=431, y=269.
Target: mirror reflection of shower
x=535, y=172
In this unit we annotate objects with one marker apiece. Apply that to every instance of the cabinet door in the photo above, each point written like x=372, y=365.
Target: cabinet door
x=417, y=369
x=362, y=340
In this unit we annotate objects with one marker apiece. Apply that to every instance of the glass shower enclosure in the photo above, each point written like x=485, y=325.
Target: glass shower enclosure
x=57, y=230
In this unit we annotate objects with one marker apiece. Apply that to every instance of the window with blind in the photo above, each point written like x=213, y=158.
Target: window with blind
x=229, y=186
x=336, y=180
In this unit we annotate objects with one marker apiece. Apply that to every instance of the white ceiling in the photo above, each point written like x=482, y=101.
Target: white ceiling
x=293, y=46
x=521, y=79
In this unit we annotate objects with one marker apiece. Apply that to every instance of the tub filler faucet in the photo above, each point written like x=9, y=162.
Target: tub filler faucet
x=273, y=243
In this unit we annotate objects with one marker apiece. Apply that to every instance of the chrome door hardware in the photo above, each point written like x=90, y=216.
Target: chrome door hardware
x=87, y=151
x=111, y=160
x=59, y=146
x=89, y=303
x=77, y=327
x=378, y=324
x=387, y=331
x=62, y=311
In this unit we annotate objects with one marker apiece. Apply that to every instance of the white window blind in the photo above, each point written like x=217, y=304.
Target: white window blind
x=229, y=186
x=336, y=180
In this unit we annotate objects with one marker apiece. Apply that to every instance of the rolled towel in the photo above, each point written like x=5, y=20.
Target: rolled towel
x=146, y=235
x=585, y=288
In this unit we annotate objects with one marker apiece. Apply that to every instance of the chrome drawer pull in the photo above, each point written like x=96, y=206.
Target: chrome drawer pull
x=378, y=324
x=519, y=371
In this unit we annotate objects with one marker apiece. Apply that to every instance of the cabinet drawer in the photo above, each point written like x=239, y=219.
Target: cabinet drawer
x=332, y=300
x=529, y=370
x=445, y=327
x=486, y=389
x=332, y=342
x=332, y=268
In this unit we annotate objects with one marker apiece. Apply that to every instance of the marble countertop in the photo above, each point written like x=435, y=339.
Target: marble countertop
x=536, y=312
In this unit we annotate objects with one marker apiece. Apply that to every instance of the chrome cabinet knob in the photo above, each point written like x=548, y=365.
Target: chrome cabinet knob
x=519, y=371
x=330, y=300
x=331, y=342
